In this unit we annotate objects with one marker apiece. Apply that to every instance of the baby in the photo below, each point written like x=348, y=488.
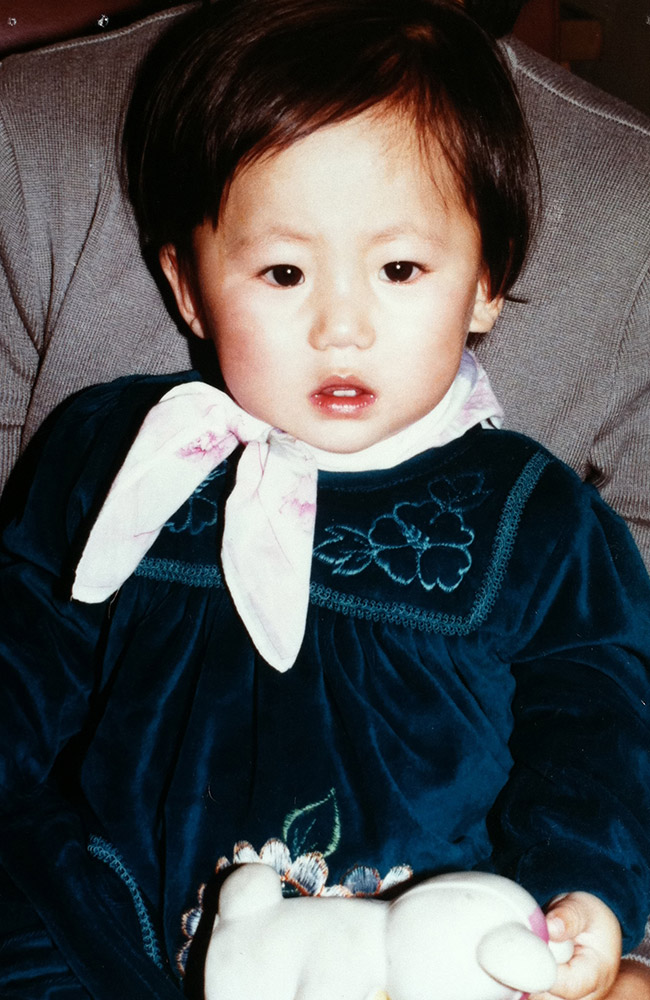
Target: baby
x=327, y=615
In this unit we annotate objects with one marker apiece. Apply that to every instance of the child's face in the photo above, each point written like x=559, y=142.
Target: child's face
x=339, y=285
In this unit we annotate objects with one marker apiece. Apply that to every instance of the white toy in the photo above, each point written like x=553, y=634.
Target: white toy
x=468, y=936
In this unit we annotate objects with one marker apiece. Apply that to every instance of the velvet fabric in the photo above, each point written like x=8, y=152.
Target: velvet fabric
x=472, y=692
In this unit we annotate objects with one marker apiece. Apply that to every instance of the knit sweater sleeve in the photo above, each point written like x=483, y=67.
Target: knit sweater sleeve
x=52, y=683
x=621, y=451
x=575, y=812
x=21, y=313
x=78, y=303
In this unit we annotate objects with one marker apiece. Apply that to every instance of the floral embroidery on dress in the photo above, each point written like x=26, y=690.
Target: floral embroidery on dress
x=303, y=874
x=428, y=542
x=200, y=511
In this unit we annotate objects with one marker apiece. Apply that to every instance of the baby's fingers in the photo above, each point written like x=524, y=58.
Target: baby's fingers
x=596, y=935
x=579, y=979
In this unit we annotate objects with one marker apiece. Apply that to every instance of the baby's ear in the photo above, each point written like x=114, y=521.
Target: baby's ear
x=182, y=287
x=486, y=309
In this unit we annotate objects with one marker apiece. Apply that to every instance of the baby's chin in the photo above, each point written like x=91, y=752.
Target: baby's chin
x=346, y=441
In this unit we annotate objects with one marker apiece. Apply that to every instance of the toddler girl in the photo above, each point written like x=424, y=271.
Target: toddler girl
x=328, y=616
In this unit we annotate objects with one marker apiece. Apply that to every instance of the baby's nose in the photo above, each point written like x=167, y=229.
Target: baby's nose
x=342, y=319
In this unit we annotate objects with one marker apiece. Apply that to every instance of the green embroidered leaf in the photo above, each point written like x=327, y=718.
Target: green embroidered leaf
x=316, y=827
x=347, y=549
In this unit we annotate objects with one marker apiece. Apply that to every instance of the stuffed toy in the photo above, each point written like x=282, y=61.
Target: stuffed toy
x=468, y=936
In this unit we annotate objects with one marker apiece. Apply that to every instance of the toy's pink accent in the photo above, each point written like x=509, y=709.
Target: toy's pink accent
x=537, y=922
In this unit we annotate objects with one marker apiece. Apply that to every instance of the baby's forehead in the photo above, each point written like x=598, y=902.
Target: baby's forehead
x=384, y=142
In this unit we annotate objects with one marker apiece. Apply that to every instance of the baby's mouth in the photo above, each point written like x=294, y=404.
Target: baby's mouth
x=343, y=397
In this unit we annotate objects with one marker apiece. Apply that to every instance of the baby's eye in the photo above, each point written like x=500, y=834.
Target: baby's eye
x=284, y=275
x=400, y=271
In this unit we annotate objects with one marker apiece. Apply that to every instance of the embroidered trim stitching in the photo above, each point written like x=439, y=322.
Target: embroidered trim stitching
x=177, y=571
x=103, y=851
x=427, y=621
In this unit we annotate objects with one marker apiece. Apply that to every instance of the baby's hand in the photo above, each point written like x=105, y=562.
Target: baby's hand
x=632, y=982
x=596, y=934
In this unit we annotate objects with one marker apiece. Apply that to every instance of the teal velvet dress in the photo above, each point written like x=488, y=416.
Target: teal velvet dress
x=472, y=692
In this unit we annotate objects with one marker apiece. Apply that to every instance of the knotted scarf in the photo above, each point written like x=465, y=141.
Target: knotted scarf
x=268, y=532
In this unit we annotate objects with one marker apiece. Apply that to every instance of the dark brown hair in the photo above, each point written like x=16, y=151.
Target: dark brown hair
x=496, y=16
x=242, y=77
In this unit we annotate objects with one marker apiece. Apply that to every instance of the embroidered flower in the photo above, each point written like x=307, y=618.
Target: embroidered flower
x=199, y=511
x=417, y=540
x=189, y=924
x=426, y=542
x=305, y=874
x=364, y=881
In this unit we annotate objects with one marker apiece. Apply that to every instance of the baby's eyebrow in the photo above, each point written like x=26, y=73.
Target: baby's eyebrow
x=420, y=232
x=251, y=240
